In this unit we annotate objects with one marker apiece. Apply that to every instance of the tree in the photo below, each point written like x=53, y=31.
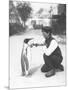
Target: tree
x=13, y=13
x=62, y=9
x=24, y=11
x=40, y=11
x=15, y=25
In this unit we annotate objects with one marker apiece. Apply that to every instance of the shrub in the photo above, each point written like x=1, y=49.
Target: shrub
x=59, y=26
x=15, y=28
x=37, y=26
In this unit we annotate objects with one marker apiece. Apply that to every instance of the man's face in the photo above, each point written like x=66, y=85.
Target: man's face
x=46, y=35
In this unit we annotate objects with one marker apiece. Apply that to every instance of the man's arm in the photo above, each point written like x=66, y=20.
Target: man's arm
x=53, y=45
x=36, y=42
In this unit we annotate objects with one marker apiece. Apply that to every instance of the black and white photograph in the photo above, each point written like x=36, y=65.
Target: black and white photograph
x=37, y=44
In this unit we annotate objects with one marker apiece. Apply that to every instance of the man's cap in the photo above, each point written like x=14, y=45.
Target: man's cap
x=47, y=29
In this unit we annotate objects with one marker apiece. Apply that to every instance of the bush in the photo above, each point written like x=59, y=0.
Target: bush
x=15, y=28
x=59, y=26
x=37, y=26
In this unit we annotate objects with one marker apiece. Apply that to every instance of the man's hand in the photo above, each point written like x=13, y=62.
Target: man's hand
x=36, y=42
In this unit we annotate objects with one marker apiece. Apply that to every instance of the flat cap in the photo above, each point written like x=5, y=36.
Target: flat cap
x=47, y=29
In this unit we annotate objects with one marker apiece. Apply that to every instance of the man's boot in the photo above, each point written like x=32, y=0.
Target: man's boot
x=50, y=73
x=45, y=68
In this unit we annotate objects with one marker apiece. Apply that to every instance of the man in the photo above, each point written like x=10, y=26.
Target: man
x=52, y=53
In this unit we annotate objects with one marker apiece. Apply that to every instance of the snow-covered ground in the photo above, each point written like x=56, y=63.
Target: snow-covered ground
x=36, y=78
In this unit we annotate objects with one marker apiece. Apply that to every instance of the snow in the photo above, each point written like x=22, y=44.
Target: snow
x=36, y=77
